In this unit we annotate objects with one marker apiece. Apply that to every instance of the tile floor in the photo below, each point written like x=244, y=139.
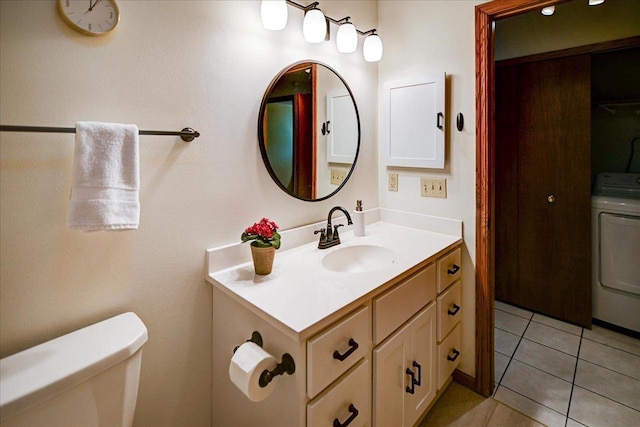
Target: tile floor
x=563, y=375
x=461, y=407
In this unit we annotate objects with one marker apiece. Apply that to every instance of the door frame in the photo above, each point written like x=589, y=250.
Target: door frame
x=485, y=16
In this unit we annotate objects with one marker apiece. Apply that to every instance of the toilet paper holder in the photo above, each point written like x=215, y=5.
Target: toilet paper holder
x=287, y=366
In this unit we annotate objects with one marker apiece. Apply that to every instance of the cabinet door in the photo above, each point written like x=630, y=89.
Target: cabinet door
x=389, y=380
x=401, y=397
x=421, y=362
x=413, y=131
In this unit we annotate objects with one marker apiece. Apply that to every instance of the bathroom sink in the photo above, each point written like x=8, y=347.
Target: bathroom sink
x=359, y=258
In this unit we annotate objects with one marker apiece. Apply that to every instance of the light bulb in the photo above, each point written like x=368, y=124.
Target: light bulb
x=314, y=26
x=372, y=48
x=347, y=38
x=595, y=2
x=548, y=11
x=274, y=14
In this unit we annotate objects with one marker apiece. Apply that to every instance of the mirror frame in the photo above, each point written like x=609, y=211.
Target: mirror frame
x=263, y=151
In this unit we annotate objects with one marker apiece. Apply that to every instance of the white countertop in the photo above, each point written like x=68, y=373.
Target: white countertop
x=300, y=293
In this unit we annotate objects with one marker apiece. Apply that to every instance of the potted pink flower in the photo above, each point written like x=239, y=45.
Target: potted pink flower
x=265, y=239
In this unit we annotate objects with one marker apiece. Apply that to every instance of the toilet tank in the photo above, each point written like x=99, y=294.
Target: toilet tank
x=87, y=378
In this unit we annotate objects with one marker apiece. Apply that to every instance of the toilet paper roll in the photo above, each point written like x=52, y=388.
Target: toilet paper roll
x=247, y=364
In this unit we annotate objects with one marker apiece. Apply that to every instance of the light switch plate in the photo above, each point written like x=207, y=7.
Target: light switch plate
x=393, y=182
x=433, y=187
x=338, y=176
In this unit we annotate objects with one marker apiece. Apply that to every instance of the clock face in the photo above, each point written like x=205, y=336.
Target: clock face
x=90, y=17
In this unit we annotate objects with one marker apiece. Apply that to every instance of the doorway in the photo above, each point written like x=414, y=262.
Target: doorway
x=486, y=15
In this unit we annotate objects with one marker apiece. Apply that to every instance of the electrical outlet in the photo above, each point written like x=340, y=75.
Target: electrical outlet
x=433, y=187
x=393, y=182
x=338, y=176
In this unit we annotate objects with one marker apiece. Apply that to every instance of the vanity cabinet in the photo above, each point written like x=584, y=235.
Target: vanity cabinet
x=382, y=360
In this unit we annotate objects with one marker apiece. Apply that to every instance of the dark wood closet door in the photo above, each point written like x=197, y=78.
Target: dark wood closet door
x=553, y=201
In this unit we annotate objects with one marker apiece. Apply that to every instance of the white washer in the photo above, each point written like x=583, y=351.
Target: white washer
x=615, y=224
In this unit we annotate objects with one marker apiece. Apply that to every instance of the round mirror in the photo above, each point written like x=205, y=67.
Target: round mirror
x=309, y=131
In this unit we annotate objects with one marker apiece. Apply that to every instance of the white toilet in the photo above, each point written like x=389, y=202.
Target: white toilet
x=86, y=378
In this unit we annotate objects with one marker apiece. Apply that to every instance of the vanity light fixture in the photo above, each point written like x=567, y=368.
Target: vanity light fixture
x=274, y=14
x=347, y=37
x=315, y=28
x=548, y=11
x=595, y=2
x=372, y=47
x=315, y=25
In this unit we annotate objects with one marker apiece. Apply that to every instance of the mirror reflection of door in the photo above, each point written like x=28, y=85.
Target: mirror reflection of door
x=288, y=129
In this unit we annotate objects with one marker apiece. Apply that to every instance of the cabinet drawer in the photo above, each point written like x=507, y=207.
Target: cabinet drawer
x=334, y=351
x=349, y=401
x=448, y=356
x=399, y=304
x=449, y=269
x=449, y=306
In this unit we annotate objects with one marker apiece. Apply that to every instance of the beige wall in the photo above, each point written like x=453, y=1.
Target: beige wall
x=169, y=64
x=419, y=39
x=573, y=24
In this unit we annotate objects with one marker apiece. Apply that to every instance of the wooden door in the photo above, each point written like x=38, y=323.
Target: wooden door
x=550, y=143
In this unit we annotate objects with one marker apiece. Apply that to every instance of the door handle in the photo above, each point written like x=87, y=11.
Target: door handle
x=456, y=309
x=353, y=347
x=453, y=270
x=354, y=414
x=551, y=199
x=411, y=389
x=456, y=353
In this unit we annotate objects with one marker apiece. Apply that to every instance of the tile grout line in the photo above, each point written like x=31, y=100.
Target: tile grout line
x=514, y=352
x=573, y=381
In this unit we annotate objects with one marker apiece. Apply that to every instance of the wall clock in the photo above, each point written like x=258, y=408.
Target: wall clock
x=90, y=17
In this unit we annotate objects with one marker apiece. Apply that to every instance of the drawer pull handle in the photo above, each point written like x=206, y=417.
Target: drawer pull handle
x=354, y=346
x=354, y=414
x=456, y=353
x=411, y=390
x=456, y=309
x=454, y=270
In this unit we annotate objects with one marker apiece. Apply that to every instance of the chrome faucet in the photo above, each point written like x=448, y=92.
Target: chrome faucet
x=329, y=237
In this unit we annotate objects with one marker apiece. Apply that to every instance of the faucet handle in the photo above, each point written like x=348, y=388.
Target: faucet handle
x=323, y=236
x=335, y=231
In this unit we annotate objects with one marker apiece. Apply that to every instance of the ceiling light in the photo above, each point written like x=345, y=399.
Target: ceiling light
x=372, y=48
x=347, y=38
x=274, y=14
x=595, y=2
x=314, y=26
x=548, y=11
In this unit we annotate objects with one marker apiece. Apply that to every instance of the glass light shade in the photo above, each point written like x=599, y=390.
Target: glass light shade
x=372, y=48
x=595, y=2
x=274, y=14
x=548, y=11
x=314, y=26
x=347, y=38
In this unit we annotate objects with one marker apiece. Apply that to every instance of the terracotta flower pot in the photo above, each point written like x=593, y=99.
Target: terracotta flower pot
x=262, y=259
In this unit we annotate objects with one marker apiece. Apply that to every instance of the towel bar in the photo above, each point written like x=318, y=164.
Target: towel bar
x=187, y=134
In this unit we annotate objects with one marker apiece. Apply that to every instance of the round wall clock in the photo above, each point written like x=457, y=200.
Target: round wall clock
x=90, y=17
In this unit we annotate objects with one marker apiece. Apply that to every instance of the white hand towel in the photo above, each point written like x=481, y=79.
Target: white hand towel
x=106, y=178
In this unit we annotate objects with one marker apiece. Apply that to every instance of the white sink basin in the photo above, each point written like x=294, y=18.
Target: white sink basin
x=359, y=258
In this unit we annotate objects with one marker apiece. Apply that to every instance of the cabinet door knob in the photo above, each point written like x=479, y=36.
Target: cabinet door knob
x=551, y=199
x=354, y=346
x=354, y=414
